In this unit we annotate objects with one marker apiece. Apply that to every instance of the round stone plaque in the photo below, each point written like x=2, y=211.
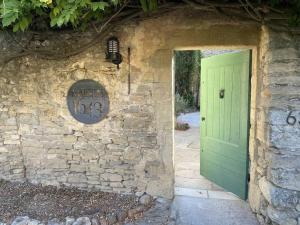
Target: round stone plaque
x=88, y=101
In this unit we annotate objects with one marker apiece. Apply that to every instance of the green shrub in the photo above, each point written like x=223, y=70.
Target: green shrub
x=181, y=105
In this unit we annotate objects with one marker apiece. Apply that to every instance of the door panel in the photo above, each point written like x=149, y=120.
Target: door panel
x=224, y=125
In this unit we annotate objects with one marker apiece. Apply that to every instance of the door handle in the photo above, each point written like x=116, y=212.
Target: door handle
x=222, y=93
x=202, y=118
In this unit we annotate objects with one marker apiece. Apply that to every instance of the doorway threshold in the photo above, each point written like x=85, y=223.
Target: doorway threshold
x=202, y=193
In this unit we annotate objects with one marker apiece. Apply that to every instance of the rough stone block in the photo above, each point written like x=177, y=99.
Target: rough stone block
x=132, y=154
x=284, y=137
x=111, y=177
x=27, y=118
x=289, y=179
x=255, y=197
x=3, y=150
x=278, y=197
x=135, y=123
x=282, y=217
x=69, y=139
x=77, y=178
x=56, y=163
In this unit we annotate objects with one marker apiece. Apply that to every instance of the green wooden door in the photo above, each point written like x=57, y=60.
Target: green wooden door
x=224, y=120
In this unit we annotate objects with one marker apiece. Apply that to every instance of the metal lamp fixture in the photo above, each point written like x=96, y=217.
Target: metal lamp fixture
x=113, y=51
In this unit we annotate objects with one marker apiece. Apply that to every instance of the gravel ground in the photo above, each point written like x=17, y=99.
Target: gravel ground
x=47, y=202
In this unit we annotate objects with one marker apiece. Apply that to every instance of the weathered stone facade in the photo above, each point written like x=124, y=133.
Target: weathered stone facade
x=132, y=149
x=42, y=143
x=275, y=178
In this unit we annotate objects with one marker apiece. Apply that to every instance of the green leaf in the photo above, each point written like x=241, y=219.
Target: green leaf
x=152, y=4
x=10, y=12
x=79, y=13
x=55, y=11
x=144, y=5
x=99, y=5
x=115, y=2
x=53, y=22
x=9, y=19
x=24, y=23
x=149, y=5
x=48, y=2
x=60, y=21
x=16, y=27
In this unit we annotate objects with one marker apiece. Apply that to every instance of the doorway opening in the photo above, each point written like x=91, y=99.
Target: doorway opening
x=212, y=116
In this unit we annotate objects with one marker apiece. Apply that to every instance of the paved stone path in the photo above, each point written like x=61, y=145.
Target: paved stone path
x=187, y=156
x=206, y=211
x=199, y=201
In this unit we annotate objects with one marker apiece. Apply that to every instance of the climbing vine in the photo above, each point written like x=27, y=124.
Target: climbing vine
x=79, y=14
x=101, y=16
x=20, y=14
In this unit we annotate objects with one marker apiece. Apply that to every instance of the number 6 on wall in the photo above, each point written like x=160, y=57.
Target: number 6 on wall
x=291, y=120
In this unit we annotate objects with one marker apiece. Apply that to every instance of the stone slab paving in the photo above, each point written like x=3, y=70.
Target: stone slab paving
x=187, y=155
x=199, y=201
x=208, y=211
x=202, y=193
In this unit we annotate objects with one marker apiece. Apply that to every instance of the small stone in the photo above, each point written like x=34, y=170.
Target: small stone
x=111, y=219
x=121, y=215
x=78, y=134
x=78, y=65
x=82, y=221
x=94, y=221
x=34, y=222
x=298, y=207
x=69, y=220
x=103, y=221
x=133, y=212
x=54, y=221
x=145, y=199
x=171, y=223
x=21, y=220
x=291, y=222
x=260, y=219
x=45, y=43
x=139, y=193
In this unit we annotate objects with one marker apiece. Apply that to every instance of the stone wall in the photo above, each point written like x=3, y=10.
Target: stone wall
x=42, y=143
x=132, y=149
x=275, y=177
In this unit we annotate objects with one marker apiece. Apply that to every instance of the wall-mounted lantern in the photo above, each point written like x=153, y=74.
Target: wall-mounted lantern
x=113, y=51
